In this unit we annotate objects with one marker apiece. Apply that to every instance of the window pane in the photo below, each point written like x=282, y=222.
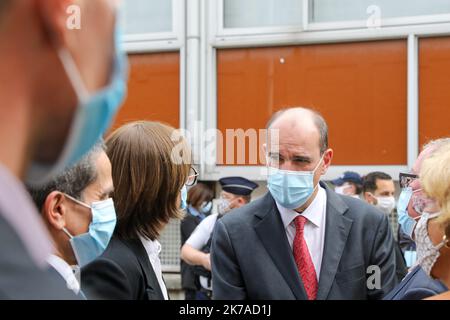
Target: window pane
x=341, y=10
x=262, y=13
x=153, y=89
x=434, y=113
x=356, y=86
x=147, y=16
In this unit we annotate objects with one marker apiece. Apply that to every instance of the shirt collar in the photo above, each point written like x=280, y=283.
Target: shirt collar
x=63, y=268
x=153, y=248
x=313, y=213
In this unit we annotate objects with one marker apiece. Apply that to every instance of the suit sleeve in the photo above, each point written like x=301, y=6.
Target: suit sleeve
x=103, y=279
x=227, y=280
x=383, y=256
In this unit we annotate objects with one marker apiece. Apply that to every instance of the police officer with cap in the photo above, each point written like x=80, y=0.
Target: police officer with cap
x=236, y=192
x=349, y=184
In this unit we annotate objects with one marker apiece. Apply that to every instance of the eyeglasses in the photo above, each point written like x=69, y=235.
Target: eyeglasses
x=406, y=179
x=192, y=178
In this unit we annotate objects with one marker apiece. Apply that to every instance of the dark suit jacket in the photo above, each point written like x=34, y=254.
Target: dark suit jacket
x=20, y=278
x=417, y=285
x=402, y=269
x=252, y=259
x=188, y=226
x=122, y=272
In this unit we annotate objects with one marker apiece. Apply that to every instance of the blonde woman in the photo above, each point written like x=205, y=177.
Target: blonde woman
x=435, y=180
x=430, y=276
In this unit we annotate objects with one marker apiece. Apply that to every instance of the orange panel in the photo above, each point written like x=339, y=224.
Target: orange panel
x=434, y=101
x=360, y=88
x=154, y=89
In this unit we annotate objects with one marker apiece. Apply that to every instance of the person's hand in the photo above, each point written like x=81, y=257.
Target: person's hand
x=207, y=262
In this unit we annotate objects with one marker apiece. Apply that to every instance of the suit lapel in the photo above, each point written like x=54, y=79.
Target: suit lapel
x=336, y=234
x=152, y=281
x=272, y=234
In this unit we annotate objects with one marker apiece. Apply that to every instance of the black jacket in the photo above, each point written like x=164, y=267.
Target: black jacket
x=188, y=226
x=122, y=272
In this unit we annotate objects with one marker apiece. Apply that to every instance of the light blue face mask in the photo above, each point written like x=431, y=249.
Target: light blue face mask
x=89, y=246
x=94, y=114
x=291, y=189
x=184, y=194
x=406, y=222
x=206, y=207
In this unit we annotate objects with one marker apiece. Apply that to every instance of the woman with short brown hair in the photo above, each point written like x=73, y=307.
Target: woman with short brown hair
x=150, y=168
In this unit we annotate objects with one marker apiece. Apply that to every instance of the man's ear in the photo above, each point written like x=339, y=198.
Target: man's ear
x=369, y=197
x=327, y=157
x=54, y=210
x=54, y=16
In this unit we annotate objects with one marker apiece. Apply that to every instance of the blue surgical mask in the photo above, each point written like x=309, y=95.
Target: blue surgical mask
x=94, y=115
x=206, y=207
x=406, y=222
x=88, y=246
x=291, y=189
x=183, y=198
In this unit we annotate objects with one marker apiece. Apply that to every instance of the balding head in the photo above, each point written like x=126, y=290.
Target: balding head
x=301, y=117
x=298, y=142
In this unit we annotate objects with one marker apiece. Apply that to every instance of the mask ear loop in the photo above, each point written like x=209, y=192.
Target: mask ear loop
x=73, y=74
x=67, y=233
x=78, y=201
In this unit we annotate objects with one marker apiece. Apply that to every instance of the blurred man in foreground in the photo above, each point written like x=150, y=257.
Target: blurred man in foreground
x=60, y=89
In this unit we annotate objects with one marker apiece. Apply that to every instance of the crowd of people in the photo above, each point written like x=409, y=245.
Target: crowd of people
x=81, y=214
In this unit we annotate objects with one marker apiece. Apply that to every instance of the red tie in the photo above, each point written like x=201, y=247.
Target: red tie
x=303, y=259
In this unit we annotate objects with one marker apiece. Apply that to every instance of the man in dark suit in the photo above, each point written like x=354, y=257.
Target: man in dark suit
x=48, y=120
x=302, y=240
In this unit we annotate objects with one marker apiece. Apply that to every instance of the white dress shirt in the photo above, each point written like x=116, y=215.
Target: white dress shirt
x=66, y=272
x=314, y=232
x=202, y=233
x=153, y=249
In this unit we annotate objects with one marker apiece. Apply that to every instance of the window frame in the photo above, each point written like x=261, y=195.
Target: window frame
x=213, y=37
x=308, y=25
x=218, y=39
x=222, y=31
x=160, y=41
